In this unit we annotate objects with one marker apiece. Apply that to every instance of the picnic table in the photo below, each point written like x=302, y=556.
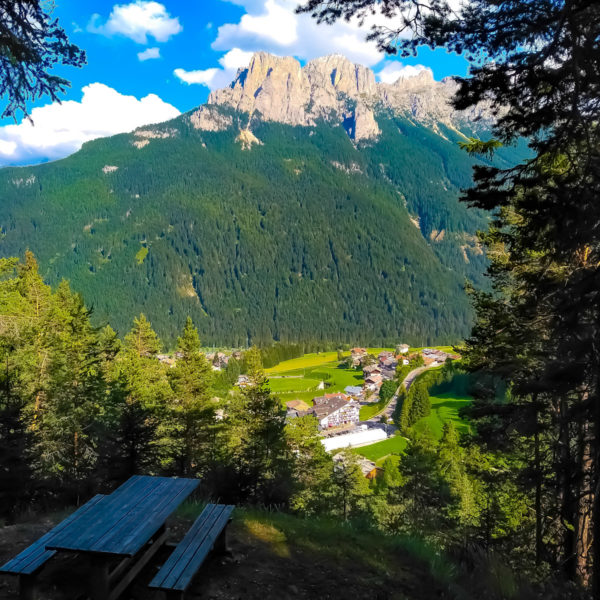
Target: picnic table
x=119, y=533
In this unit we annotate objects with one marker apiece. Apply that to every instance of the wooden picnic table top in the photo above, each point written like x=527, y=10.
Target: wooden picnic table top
x=122, y=523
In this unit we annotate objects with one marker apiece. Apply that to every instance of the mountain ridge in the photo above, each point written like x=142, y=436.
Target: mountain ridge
x=280, y=89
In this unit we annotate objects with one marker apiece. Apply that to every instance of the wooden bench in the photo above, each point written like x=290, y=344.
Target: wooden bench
x=28, y=563
x=207, y=532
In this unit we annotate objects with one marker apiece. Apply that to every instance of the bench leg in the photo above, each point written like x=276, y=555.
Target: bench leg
x=27, y=587
x=220, y=546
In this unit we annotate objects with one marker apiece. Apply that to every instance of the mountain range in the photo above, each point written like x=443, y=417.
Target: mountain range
x=301, y=203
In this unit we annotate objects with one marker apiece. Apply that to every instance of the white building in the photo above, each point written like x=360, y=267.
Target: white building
x=359, y=437
x=335, y=410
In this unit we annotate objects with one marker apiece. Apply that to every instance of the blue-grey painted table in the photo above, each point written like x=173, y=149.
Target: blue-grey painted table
x=128, y=525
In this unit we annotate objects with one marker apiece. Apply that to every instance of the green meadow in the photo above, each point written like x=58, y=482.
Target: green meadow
x=299, y=378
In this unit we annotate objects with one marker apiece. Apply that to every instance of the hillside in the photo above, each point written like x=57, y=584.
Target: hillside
x=274, y=555
x=331, y=222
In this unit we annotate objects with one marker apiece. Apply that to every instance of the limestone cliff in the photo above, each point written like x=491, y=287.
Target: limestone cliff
x=332, y=88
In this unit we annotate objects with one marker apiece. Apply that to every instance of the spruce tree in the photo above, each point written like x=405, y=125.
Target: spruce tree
x=191, y=410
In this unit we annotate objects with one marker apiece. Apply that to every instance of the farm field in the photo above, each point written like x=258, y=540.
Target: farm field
x=303, y=362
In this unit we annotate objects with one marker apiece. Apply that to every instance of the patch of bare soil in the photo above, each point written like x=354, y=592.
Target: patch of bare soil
x=253, y=569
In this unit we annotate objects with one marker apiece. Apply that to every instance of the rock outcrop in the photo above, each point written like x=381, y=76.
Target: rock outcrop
x=279, y=89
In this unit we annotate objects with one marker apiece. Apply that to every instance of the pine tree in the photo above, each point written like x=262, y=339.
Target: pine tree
x=311, y=466
x=143, y=423
x=350, y=488
x=257, y=423
x=192, y=412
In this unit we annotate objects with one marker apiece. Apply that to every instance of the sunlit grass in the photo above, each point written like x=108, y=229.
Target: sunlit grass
x=444, y=408
x=393, y=445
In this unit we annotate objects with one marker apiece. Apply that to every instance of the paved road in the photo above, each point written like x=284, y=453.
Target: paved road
x=391, y=407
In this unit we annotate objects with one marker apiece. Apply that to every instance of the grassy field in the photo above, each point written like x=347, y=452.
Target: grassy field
x=293, y=384
x=375, y=452
x=367, y=411
x=303, y=362
x=445, y=407
x=313, y=368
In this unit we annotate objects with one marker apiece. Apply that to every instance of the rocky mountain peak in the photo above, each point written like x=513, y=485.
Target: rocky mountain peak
x=332, y=88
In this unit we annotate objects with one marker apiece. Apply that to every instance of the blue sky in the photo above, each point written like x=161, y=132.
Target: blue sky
x=150, y=60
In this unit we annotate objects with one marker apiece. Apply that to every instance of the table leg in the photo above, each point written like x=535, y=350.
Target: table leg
x=99, y=580
x=27, y=587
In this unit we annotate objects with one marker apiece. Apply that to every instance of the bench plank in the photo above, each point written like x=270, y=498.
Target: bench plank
x=190, y=553
x=177, y=559
x=34, y=557
x=201, y=553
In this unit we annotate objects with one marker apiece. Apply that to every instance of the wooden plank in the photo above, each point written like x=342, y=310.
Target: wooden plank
x=180, y=568
x=127, y=520
x=201, y=553
x=134, y=510
x=184, y=546
x=115, y=508
x=145, y=520
x=99, y=521
x=33, y=557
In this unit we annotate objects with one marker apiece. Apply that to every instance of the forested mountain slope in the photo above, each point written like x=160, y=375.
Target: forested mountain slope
x=343, y=225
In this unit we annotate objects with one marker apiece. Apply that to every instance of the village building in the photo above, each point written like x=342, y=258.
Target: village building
x=388, y=373
x=335, y=410
x=369, y=469
x=371, y=370
x=359, y=436
x=355, y=391
x=388, y=362
x=402, y=349
x=373, y=382
x=243, y=381
x=298, y=407
x=433, y=357
x=357, y=355
x=165, y=359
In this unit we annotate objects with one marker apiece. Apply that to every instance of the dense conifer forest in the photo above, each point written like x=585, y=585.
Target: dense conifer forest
x=304, y=238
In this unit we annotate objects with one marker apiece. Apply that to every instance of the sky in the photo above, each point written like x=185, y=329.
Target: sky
x=149, y=61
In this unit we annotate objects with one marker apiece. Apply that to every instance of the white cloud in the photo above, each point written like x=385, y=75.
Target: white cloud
x=149, y=53
x=202, y=76
x=7, y=148
x=215, y=77
x=61, y=129
x=272, y=25
x=393, y=70
x=137, y=21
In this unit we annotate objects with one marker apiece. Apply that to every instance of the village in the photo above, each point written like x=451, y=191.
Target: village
x=339, y=412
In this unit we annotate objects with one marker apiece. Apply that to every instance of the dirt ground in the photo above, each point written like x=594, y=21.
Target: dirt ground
x=252, y=570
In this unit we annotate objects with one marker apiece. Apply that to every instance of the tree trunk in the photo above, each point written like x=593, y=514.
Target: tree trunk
x=585, y=501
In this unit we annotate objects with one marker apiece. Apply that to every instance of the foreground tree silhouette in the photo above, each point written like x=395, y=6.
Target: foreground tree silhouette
x=31, y=44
